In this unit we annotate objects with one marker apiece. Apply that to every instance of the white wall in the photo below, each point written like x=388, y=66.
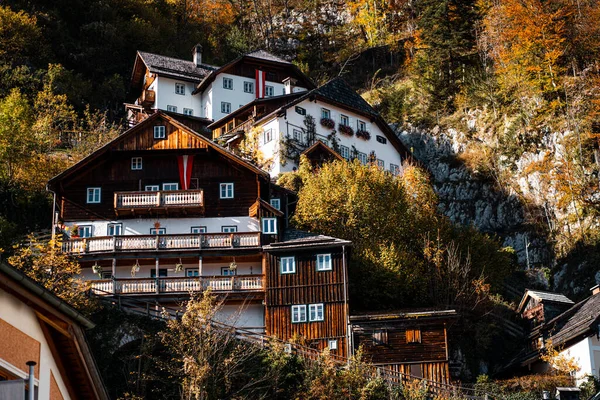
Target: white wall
x=582, y=352
x=292, y=120
x=22, y=317
x=165, y=95
x=142, y=226
x=243, y=316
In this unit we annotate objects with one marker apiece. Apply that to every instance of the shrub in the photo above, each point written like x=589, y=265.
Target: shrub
x=346, y=130
x=327, y=123
x=363, y=134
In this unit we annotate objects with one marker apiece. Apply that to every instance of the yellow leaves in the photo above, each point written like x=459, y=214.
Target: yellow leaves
x=558, y=360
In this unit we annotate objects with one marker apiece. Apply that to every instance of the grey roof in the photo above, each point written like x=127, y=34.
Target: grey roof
x=412, y=314
x=294, y=238
x=339, y=91
x=263, y=55
x=544, y=296
x=576, y=320
x=175, y=66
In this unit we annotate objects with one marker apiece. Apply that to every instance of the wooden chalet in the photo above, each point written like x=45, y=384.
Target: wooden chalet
x=410, y=343
x=38, y=328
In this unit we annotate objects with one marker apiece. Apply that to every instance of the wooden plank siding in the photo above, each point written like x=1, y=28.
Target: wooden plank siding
x=432, y=371
x=175, y=139
x=307, y=286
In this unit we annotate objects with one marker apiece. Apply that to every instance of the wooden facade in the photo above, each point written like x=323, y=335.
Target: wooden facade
x=414, y=344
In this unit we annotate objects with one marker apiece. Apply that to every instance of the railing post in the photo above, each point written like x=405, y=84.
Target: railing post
x=231, y=243
x=158, y=199
x=157, y=283
x=157, y=244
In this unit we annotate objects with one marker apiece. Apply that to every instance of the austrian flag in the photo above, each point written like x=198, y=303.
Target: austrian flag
x=261, y=83
x=185, y=170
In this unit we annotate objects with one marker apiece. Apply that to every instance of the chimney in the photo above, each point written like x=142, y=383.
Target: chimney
x=288, y=84
x=595, y=290
x=197, y=54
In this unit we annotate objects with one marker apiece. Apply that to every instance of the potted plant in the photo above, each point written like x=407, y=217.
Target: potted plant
x=363, y=134
x=97, y=269
x=346, y=130
x=179, y=266
x=327, y=123
x=74, y=231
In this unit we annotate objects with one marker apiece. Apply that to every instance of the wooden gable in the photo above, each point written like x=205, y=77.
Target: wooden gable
x=175, y=138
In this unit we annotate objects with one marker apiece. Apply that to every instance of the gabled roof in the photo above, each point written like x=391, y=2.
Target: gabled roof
x=578, y=320
x=402, y=315
x=543, y=297
x=260, y=56
x=169, y=66
x=320, y=146
x=132, y=131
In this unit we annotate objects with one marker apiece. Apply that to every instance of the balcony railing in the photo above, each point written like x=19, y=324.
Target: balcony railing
x=148, y=199
x=132, y=243
x=177, y=284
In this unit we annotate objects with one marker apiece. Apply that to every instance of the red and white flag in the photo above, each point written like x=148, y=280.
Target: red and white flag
x=261, y=83
x=185, y=170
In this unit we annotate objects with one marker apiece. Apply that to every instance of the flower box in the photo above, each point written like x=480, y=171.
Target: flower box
x=363, y=134
x=346, y=130
x=327, y=123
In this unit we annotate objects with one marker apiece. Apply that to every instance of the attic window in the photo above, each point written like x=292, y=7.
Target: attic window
x=380, y=337
x=159, y=132
x=413, y=336
x=381, y=139
x=300, y=110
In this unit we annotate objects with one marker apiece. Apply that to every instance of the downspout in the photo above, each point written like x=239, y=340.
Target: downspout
x=53, y=211
x=349, y=346
x=31, y=392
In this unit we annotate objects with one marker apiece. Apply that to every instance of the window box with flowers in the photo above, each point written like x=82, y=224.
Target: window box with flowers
x=327, y=123
x=346, y=130
x=363, y=134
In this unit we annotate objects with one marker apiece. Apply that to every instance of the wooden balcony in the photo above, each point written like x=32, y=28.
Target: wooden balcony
x=240, y=283
x=137, y=243
x=139, y=203
x=147, y=98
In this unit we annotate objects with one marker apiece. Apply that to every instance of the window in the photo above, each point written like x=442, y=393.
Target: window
x=413, y=336
x=179, y=88
x=297, y=134
x=248, y=87
x=226, y=191
x=228, y=83
x=362, y=157
x=345, y=152
x=315, y=312
x=324, y=262
x=192, y=272
x=325, y=113
x=151, y=188
x=269, y=91
x=115, y=229
x=198, y=229
x=299, y=313
x=158, y=231
x=136, y=163
x=107, y=275
x=226, y=271
x=394, y=169
x=159, y=132
x=380, y=164
x=268, y=135
x=225, y=107
x=361, y=125
x=275, y=203
x=344, y=120
x=287, y=265
x=93, y=195
x=171, y=186
x=84, y=231
x=172, y=108
x=269, y=226
x=229, y=229
x=332, y=344
x=162, y=272
x=381, y=139
x=380, y=338
x=188, y=111
x=300, y=110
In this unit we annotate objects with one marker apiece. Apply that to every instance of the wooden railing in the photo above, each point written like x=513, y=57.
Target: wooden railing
x=177, y=284
x=148, y=199
x=103, y=244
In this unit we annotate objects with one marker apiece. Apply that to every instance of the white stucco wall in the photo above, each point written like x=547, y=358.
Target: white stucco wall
x=165, y=95
x=142, y=226
x=22, y=317
x=583, y=352
x=243, y=316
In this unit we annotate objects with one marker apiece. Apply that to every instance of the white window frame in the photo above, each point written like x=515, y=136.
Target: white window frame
x=319, y=312
x=160, y=132
x=298, y=313
x=362, y=157
x=136, y=163
x=198, y=229
x=225, y=107
x=345, y=152
x=94, y=195
x=275, y=202
x=170, y=185
x=248, y=87
x=152, y=188
x=180, y=88
x=269, y=91
x=325, y=113
x=226, y=190
x=85, y=231
x=158, y=231
x=188, y=111
x=269, y=226
x=226, y=271
x=332, y=344
x=287, y=265
x=344, y=120
x=395, y=169
x=361, y=125
x=192, y=272
x=227, y=83
x=380, y=164
x=117, y=229
x=171, y=108
x=297, y=132
x=324, y=262
x=229, y=229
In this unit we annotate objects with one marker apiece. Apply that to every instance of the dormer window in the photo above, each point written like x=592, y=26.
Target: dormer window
x=159, y=132
x=179, y=88
x=136, y=163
